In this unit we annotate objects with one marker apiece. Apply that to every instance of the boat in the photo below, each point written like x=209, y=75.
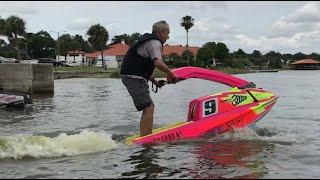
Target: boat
x=241, y=106
x=16, y=100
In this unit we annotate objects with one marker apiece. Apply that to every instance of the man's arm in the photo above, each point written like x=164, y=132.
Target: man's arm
x=164, y=68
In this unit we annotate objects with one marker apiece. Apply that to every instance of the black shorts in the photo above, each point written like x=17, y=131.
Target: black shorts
x=138, y=88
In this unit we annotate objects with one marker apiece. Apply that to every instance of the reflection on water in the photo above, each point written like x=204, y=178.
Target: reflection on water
x=204, y=159
x=145, y=164
x=42, y=95
x=226, y=159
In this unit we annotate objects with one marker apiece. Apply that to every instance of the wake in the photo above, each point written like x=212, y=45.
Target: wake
x=85, y=142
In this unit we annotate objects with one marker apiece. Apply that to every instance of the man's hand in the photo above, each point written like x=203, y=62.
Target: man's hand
x=172, y=79
x=158, y=84
x=155, y=82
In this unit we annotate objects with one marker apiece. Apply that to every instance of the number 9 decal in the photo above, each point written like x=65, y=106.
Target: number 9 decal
x=210, y=107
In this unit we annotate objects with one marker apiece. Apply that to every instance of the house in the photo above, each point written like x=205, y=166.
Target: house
x=305, y=64
x=73, y=58
x=113, y=55
x=91, y=58
x=176, y=50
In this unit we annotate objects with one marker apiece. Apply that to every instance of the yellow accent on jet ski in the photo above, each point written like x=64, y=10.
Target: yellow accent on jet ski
x=130, y=139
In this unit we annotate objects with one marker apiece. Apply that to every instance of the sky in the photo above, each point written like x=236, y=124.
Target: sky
x=281, y=26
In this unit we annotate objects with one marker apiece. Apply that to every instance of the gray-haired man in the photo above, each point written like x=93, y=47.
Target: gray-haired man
x=137, y=68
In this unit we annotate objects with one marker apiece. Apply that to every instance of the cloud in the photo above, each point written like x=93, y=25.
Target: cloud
x=82, y=23
x=267, y=44
x=209, y=25
x=300, y=42
x=307, y=14
x=204, y=4
x=17, y=8
x=304, y=19
x=208, y=29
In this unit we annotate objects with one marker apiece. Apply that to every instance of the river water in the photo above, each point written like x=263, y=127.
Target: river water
x=79, y=133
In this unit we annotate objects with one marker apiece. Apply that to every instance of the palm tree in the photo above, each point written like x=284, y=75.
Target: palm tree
x=119, y=38
x=187, y=23
x=15, y=27
x=98, y=37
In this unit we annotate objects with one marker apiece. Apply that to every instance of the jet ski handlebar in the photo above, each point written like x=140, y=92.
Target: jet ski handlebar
x=160, y=84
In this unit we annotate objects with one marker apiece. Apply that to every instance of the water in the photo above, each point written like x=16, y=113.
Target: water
x=79, y=133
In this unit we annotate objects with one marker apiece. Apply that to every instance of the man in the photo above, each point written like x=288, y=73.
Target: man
x=137, y=68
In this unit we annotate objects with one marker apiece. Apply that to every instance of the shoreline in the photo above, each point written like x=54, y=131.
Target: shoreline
x=67, y=75
x=116, y=74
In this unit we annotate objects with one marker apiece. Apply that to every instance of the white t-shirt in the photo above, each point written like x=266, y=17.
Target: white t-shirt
x=150, y=49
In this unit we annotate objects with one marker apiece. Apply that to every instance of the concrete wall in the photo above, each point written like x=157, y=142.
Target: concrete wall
x=27, y=78
x=43, y=80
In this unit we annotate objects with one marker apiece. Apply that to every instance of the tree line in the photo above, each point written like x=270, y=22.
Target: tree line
x=26, y=45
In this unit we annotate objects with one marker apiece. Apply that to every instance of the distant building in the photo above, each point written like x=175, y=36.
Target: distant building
x=113, y=55
x=178, y=50
x=73, y=58
x=305, y=64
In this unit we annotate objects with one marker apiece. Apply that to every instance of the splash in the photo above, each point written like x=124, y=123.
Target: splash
x=85, y=142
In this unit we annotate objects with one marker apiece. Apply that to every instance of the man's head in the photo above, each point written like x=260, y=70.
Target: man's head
x=162, y=30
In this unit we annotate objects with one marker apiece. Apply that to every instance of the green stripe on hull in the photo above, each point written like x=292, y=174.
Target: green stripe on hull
x=261, y=95
x=260, y=108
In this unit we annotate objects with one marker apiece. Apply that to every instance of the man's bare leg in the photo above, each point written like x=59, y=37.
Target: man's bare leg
x=146, y=121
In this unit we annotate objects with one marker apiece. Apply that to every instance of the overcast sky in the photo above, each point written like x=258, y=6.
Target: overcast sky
x=285, y=27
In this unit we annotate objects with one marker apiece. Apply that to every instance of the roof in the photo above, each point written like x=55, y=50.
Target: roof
x=306, y=61
x=121, y=49
x=93, y=54
x=178, y=49
x=118, y=49
x=76, y=52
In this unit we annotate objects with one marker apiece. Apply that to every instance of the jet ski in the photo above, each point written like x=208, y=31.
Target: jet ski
x=241, y=106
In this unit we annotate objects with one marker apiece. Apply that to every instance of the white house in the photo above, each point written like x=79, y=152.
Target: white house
x=113, y=55
x=73, y=58
x=109, y=61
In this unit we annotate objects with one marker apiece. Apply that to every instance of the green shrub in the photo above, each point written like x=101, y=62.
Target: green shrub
x=115, y=74
x=178, y=64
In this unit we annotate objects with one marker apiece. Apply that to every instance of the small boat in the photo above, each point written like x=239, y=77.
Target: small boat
x=8, y=99
x=241, y=106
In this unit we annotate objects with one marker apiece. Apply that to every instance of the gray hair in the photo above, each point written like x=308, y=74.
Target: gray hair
x=160, y=27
